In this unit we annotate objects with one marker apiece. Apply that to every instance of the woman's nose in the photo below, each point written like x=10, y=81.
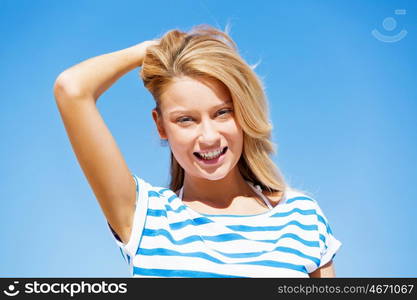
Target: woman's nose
x=209, y=133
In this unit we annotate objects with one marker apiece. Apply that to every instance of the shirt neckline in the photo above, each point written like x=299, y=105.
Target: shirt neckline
x=257, y=190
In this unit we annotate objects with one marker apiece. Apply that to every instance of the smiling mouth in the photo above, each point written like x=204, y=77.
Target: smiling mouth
x=208, y=159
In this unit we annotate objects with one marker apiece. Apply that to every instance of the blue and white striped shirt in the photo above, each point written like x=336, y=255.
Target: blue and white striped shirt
x=169, y=239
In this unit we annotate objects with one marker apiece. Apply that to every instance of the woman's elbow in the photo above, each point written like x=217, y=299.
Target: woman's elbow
x=326, y=271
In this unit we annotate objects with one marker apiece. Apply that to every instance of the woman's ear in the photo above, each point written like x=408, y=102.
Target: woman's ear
x=159, y=124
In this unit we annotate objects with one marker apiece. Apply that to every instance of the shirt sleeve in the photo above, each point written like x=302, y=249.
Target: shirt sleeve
x=329, y=245
x=129, y=249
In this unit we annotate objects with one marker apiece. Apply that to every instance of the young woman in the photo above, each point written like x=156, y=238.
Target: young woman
x=228, y=211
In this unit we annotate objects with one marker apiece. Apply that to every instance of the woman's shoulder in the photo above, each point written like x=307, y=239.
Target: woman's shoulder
x=275, y=197
x=152, y=189
x=289, y=195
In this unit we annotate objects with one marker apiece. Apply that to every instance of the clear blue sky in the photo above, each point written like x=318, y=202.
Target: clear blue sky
x=343, y=104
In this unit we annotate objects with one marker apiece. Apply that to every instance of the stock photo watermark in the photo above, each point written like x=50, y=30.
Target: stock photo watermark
x=390, y=25
x=71, y=289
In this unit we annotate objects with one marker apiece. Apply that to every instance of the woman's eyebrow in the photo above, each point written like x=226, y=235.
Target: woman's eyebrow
x=175, y=112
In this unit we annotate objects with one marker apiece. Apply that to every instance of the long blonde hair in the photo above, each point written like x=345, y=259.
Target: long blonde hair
x=209, y=52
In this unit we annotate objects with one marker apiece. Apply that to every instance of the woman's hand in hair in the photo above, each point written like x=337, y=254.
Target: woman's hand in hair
x=141, y=48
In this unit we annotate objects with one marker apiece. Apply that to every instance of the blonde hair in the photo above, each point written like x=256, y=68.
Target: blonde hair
x=211, y=53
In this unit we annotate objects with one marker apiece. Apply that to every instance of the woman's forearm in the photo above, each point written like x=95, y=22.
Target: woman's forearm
x=92, y=77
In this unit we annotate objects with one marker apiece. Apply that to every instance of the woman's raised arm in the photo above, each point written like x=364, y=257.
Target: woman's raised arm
x=76, y=91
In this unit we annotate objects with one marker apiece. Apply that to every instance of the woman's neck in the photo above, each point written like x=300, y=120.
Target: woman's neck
x=216, y=193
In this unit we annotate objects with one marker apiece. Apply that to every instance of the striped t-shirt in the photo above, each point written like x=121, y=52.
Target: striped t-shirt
x=169, y=239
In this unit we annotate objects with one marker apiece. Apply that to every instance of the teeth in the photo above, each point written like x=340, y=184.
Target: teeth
x=211, y=155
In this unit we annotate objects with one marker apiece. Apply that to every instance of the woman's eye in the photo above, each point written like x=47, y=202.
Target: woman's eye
x=189, y=119
x=225, y=111
x=182, y=120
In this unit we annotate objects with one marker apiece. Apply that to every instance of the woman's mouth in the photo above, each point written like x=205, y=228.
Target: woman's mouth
x=211, y=160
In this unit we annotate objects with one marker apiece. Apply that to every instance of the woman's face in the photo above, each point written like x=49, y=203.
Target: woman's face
x=198, y=117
